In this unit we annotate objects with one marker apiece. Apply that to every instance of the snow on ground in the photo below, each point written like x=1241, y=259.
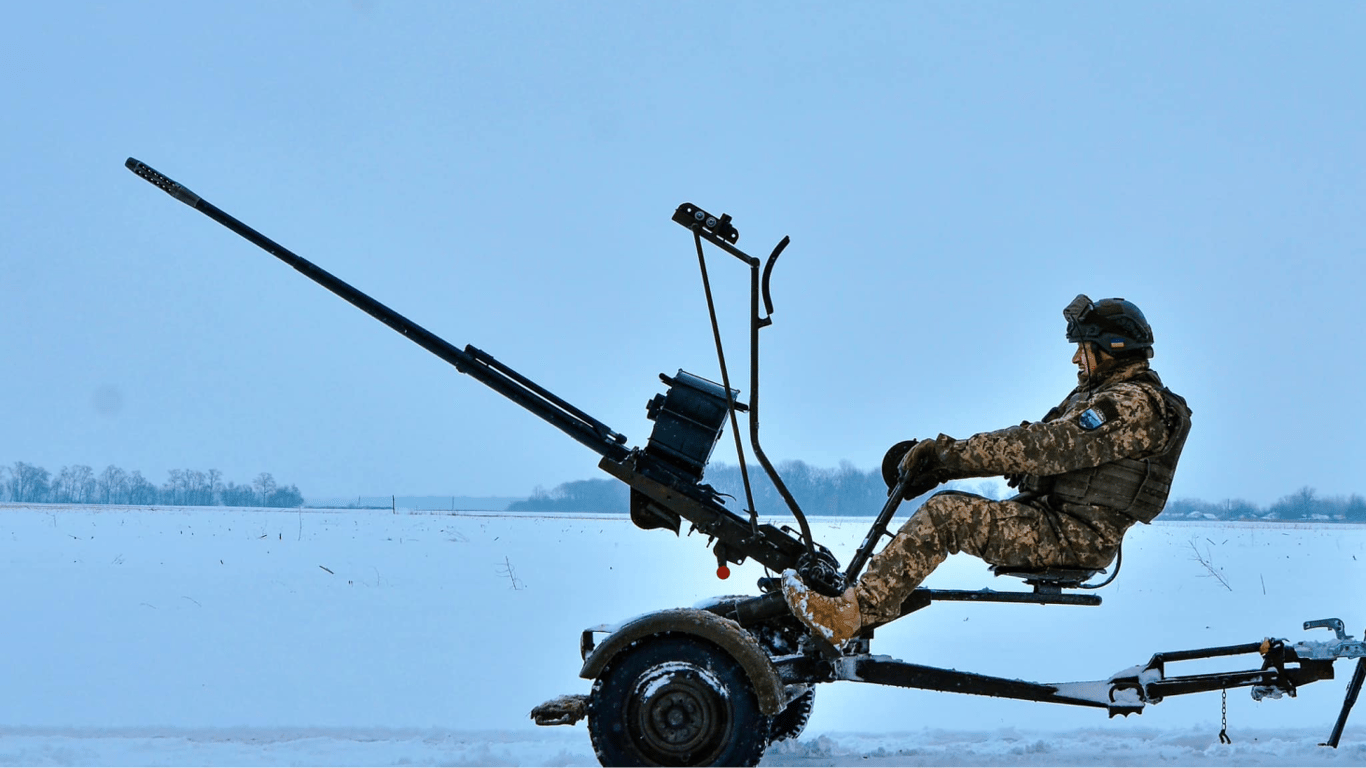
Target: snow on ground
x=205, y=636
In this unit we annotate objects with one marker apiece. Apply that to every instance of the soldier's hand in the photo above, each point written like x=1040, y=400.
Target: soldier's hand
x=922, y=468
x=922, y=459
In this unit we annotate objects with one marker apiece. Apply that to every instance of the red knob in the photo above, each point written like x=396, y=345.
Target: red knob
x=722, y=572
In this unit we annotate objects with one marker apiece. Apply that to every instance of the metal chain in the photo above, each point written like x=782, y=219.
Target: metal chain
x=1223, y=716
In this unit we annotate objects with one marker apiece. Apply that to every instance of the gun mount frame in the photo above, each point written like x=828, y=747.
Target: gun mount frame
x=777, y=661
x=665, y=487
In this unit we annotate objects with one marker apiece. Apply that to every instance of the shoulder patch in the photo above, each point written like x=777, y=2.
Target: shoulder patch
x=1100, y=412
x=1090, y=419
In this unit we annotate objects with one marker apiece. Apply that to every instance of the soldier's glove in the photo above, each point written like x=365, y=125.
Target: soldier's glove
x=922, y=459
x=923, y=469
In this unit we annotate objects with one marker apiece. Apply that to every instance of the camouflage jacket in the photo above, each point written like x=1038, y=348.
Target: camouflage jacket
x=1112, y=444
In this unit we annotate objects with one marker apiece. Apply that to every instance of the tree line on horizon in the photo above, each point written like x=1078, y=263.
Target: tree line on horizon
x=848, y=491
x=843, y=491
x=79, y=484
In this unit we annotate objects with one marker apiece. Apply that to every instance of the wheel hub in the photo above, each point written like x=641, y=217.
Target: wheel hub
x=681, y=713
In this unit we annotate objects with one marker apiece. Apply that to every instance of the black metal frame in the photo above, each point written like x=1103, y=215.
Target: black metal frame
x=671, y=493
x=1282, y=671
x=665, y=494
x=661, y=494
x=720, y=232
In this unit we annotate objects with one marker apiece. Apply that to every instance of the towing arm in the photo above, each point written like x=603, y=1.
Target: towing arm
x=1285, y=667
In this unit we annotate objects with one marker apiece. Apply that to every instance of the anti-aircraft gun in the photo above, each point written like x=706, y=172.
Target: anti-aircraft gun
x=665, y=476
x=715, y=684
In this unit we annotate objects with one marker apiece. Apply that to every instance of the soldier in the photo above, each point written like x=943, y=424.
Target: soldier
x=1100, y=461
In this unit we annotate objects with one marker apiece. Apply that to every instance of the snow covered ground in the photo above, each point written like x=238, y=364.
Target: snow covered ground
x=193, y=636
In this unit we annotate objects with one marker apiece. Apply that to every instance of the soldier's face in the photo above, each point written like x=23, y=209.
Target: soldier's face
x=1088, y=358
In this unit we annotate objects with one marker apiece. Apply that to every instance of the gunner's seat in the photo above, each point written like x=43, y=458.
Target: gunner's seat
x=1050, y=581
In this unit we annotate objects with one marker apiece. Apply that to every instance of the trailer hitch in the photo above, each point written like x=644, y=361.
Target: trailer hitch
x=1285, y=667
x=1343, y=647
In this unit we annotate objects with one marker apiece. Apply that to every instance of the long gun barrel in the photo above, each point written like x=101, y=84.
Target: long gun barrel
x=482, y=366
x=664, y=476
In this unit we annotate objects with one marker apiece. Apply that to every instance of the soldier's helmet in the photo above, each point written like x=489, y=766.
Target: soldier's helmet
x=1117, y=326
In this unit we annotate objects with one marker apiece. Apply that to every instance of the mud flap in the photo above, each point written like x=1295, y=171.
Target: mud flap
x=724, y=633
x=562, y=710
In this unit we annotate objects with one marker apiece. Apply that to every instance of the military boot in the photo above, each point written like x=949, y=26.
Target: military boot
x=836, y=619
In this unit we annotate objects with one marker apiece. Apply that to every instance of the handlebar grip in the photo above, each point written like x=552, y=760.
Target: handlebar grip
x=768, y=270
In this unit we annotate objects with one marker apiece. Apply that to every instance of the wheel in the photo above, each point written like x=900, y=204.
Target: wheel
x=790, y=723
x=676, y=700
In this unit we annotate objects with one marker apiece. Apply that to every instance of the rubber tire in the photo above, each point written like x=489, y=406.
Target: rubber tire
x=674, y=699
x=790, y=723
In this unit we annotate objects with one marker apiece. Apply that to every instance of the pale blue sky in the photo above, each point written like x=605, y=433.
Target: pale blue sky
x=951, y=175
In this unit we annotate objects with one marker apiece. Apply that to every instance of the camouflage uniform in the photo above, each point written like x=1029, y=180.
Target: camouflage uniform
x=1097, y=463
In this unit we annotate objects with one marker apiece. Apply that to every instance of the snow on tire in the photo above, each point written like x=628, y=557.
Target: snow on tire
x=673, y=699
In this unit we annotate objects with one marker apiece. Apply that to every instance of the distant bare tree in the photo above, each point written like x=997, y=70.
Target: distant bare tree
x=214, y=487
x=65, y=485
x=113, y=485
x=29, y=483
x=85, y=481
x=196, y=488
x=264, y=485
x=140, y=489
x=173, y=492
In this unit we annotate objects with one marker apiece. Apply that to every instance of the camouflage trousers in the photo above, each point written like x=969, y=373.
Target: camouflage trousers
x=1005, y=532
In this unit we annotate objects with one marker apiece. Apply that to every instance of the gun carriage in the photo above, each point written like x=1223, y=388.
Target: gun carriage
x=716, y=684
